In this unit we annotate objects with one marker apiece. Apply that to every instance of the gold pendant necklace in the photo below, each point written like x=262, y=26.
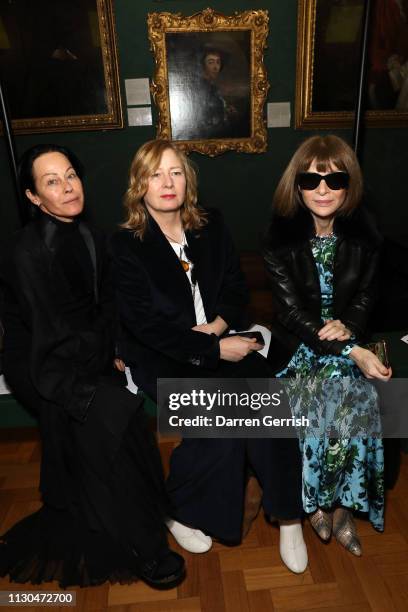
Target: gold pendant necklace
x=184, y=263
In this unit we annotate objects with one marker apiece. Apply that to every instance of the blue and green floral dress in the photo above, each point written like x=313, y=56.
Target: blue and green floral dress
x=346, y=470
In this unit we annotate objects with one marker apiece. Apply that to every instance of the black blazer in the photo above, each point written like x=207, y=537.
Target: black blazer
x=295, y=282
x=62, y=363
x=155, y=301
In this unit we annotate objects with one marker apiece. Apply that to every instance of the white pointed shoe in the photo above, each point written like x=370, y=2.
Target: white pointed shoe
x=193, y=540
x=292, y=546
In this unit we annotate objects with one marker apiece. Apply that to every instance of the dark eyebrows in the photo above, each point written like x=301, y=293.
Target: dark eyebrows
x=56, y=173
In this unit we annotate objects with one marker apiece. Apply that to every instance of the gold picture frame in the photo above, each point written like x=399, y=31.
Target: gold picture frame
x=213, y=113
x=328, y=50
x=60, y=66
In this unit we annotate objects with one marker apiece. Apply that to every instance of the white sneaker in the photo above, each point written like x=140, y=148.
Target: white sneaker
x=292, y=546
x=193, y=540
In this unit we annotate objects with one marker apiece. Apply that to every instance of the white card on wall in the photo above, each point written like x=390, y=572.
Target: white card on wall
x=137, y=92
x=140, y=116
x=278, y=114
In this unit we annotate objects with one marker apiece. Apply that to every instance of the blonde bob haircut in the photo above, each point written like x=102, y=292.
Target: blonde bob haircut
x=327, y=152
x=144, y=164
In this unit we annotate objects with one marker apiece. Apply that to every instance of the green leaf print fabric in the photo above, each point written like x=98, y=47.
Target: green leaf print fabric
x=346, y=470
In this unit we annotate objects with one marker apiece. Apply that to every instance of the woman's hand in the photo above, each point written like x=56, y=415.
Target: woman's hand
x=217, y=327
x=119, y=364
x=334, y=330
x=237, y=347
x=369, y=364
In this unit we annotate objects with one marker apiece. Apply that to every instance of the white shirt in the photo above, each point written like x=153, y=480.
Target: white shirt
x=195, y=289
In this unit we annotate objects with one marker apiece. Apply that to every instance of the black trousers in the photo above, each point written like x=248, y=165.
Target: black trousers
x=207, y=478
x=207, y=481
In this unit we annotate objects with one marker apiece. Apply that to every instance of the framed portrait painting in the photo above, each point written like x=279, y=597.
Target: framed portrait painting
x=210, y=82
x=58, y=62
x=328, y=63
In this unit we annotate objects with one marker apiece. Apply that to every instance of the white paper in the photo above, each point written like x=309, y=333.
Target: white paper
x=405, y=339
x=130, y=384
x=266, y=336
x=140, y=116
x=278, y=114
x=4, y=389
x=137, y=92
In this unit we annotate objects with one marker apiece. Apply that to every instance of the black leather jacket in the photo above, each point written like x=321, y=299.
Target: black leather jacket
x=295, y=282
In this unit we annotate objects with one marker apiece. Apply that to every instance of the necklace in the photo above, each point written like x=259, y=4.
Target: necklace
x=322, y=236
x=186, y=265
x=183, y=238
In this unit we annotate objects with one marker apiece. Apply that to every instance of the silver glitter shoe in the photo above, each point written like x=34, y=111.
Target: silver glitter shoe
x=322, y=523
x=345, y=531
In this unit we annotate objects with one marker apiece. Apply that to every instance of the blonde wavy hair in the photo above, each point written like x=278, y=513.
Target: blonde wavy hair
x=144, y=164
x=328, y=151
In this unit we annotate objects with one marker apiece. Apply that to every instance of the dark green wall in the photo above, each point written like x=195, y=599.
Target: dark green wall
x=241, y=185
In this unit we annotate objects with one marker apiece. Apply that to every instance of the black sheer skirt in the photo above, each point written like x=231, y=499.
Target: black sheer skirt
x=104, y=498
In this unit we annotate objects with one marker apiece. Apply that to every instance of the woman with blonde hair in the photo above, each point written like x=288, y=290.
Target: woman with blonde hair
x=102, y=485
x=321, y=253
x=179, y=289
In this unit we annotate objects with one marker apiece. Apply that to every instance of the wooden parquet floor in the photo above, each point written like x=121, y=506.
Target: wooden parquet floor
x=247, y=578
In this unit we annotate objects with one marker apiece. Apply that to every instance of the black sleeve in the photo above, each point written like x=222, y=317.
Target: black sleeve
x=64, y=364
x=153, y=327
x=291, y=312
x=234, y=295
x=357, y=313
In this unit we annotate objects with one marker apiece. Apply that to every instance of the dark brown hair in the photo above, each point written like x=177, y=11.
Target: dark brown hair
x=327, y=152
x=26, y=165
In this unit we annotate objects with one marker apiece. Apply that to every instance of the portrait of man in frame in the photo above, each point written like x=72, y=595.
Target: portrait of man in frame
x=210, y=82
x=209, y=85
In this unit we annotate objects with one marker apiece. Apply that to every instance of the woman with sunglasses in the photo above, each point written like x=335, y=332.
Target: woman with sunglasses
x=179, y=288
x=321, y=254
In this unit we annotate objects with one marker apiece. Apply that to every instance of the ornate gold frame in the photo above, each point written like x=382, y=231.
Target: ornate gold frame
x=305, y=116
x=210, y=21
x=110, y=120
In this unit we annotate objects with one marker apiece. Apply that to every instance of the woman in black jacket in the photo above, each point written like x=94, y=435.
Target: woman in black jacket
x=321, y=253
x=104, y=500
x=180, y=288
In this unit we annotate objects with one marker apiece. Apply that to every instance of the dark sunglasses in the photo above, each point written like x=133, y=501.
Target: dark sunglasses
x=334, y=180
